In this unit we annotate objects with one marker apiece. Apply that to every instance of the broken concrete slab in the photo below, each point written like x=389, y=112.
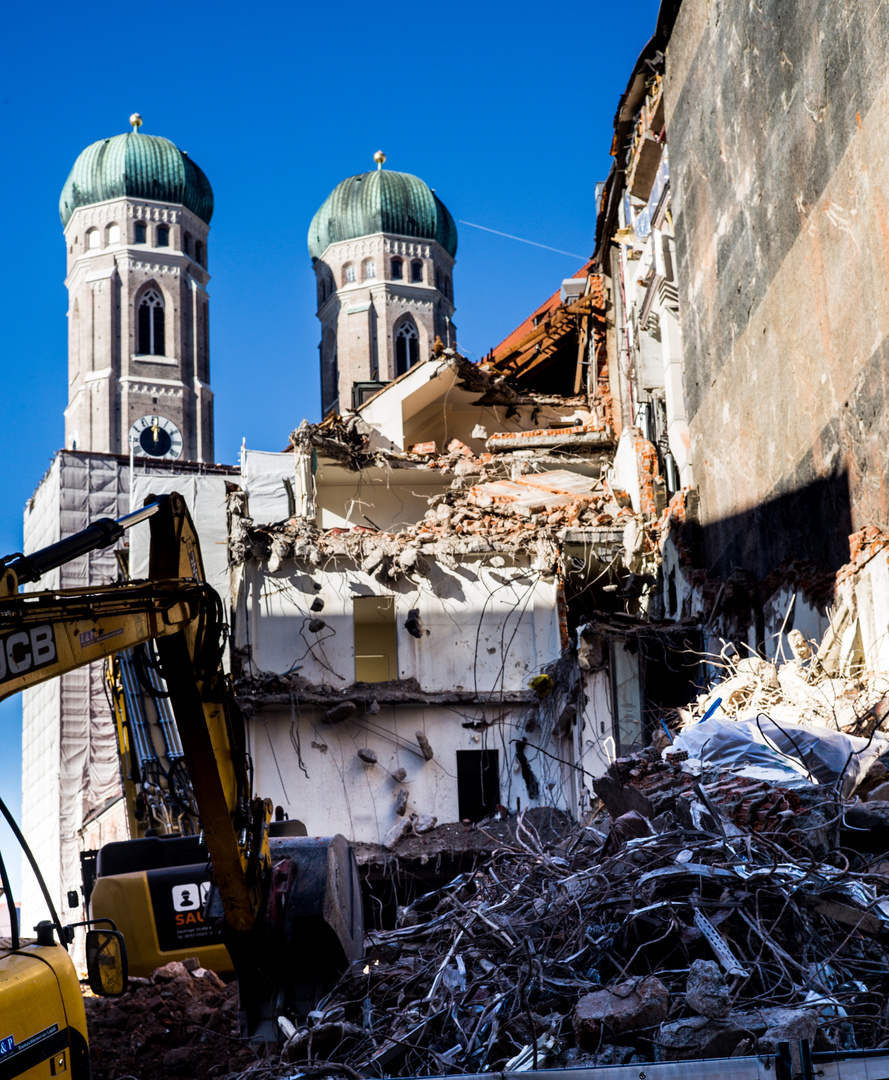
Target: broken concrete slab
x=628, y=1006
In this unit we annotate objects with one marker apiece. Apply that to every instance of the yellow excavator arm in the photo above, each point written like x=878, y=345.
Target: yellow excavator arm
x=292, y=909
x=46, y=634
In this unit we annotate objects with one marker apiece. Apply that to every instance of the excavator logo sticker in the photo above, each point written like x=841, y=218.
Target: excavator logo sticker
x=93, y=637
x=26, y=650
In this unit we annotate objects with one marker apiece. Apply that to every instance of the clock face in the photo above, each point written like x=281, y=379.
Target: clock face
x=157, y=437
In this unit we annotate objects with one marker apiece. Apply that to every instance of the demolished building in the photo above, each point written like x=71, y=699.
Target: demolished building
x=415, y=634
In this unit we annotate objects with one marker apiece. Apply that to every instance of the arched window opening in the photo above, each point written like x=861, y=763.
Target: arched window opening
x=407, y=347
x=397, y=269
x=139, y=232
x=163, y=236
x=439, y=280
x=370, y=269
x=199, y=253
x=416, y=272
x=151, y=324
x=92, y=238
x=113, y=236
x=348, y=274
x=186, y=244
x=447, y=286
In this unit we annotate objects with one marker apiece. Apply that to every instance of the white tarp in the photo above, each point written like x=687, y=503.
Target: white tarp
x=781, y=751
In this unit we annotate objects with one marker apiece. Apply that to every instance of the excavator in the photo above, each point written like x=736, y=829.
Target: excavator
x=286, y=909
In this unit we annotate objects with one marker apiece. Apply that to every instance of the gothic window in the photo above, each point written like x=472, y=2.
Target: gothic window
x=407, y=347
x=348, y=273
x=151, y=324
x=113, y=234
x=416, y=272
x=92, y=238
x=163, y=236
x=397, y=269
x=139, y=232
x=370, y=269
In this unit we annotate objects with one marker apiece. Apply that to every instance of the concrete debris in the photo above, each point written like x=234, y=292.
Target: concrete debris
x=398, y=830
x=340, y=712
x=588, y=952
x=414, y=624
x=423, y=823
x=182, y=1022
x=628, y=1006
x=706, y=992
x=401, y=802
x=424, y=745
x=367, y=756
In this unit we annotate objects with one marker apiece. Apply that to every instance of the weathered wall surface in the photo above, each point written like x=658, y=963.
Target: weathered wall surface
x=779, y=138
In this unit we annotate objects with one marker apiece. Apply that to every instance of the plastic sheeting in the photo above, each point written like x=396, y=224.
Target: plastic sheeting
x=780, y=751
x=70, y=765
x=269, y=482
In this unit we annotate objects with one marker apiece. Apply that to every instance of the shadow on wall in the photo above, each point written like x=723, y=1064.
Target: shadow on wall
x=812, y=523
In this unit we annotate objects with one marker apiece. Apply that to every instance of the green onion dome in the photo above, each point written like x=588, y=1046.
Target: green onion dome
x=137, y=166
x=382, y=201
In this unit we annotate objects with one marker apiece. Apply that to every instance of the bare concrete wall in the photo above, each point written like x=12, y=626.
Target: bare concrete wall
x=779, y=143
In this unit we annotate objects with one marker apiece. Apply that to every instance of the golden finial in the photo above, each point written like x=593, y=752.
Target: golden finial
x=136, y=121
x=379, y=158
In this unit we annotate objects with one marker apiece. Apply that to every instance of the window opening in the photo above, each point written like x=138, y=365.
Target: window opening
x=407, y=347
x=92, y=238
x=139, y=232
x=199, y=253
x=151, y=324
x=397, y=269
x=370, y=269
x=478, y=783
x=416, y=272
x=163, y=236
x=376, y=651
x=113, y=234
x=186, y=244
x=348, y=273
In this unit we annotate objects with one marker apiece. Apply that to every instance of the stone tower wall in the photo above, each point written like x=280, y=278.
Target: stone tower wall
x=359, y=318
x=110, y=384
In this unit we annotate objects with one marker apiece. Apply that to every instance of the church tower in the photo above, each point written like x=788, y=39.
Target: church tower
x=136, y=212
x=383, y=246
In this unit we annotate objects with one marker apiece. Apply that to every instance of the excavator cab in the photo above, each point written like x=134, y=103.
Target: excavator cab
x=216, y=877
x=42, y=1018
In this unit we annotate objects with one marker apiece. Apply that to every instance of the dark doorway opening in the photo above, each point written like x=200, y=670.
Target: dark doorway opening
x=478, y=783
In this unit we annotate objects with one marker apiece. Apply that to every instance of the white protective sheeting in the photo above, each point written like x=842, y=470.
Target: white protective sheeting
x=780, y=751
x=70, y=762
x=204, y=496
x=268, y=480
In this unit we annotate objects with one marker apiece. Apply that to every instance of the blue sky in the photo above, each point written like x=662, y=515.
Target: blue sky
x=506, y=109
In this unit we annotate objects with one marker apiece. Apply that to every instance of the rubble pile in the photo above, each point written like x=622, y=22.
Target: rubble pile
x=183, y=1021
x=656, y=941
x=811, y=686
x=487, y=508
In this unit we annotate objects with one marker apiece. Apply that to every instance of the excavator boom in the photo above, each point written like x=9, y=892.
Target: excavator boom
x=291, y=917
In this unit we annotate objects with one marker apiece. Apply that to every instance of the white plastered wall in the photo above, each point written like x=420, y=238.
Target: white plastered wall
x=491, y=628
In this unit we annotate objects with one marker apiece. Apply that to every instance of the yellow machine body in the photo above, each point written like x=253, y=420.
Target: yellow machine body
x=132, y=901
x=42, y=1019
